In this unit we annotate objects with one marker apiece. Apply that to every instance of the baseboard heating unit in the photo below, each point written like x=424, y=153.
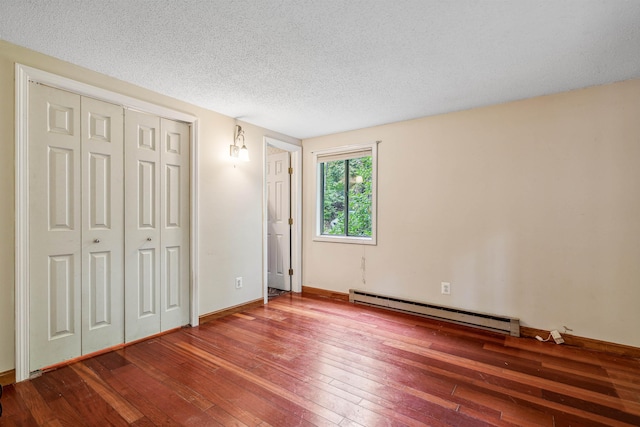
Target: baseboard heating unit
x=491, y=322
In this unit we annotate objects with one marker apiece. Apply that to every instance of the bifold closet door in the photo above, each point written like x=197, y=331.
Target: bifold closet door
x=76, y=226
x=108, y=225
x=174, y=219
x=156, y=225
x=142, y=225
x=55, y=226
x=102, y=225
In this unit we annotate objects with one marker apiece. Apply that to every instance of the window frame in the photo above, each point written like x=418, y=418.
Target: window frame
x=319, y=217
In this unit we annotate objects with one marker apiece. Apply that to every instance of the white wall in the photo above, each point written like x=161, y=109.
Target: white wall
x=230, y=199
x=530, y=209
x=7, y=296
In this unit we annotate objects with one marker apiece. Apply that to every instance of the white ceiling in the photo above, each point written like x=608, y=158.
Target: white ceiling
x=315, y=67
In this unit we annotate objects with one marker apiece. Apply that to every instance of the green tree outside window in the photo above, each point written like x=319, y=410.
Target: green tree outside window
x=347, y=197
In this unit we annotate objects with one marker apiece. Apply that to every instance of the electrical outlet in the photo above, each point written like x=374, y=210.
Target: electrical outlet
x=445, y=288
x=557, y=337
x=238, y=282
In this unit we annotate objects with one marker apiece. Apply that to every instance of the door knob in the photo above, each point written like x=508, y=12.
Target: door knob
x=96, y=241
x=148, y=239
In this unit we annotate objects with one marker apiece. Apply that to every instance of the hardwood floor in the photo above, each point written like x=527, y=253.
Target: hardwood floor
x=313, y=361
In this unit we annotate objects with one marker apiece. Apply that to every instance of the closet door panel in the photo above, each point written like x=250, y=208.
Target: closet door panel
x=102, y=225
x=142, y=225
x=174, y=219
x=54, y=226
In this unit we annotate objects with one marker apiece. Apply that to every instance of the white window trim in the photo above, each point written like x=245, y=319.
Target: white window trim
x=317, y=235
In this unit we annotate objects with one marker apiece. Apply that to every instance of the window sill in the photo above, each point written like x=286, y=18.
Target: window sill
x=345, y=239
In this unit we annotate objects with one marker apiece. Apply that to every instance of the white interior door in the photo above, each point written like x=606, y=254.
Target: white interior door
x=107, y=265
x=142, y=225
x=66, y=280
x=278, y=227
x=55, y=226
x=102, y=225
x=174, y=220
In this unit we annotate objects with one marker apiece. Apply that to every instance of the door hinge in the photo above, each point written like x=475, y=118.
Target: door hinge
x=290, y=171
x=290, y=221
x=291, y=272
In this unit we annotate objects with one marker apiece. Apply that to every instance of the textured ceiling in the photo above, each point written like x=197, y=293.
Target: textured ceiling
x=308, y=68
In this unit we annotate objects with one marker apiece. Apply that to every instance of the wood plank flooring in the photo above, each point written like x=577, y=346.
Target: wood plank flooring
x=311, y=361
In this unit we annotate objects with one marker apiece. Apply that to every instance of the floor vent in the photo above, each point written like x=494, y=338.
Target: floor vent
x=491, y=322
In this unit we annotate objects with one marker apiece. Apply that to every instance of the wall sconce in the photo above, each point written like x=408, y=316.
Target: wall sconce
x=236, y=151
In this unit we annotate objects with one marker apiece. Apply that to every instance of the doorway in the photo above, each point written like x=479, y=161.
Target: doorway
x=279, y=220
x=282, y=219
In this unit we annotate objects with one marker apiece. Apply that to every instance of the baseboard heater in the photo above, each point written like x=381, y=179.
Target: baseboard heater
x=491, y=322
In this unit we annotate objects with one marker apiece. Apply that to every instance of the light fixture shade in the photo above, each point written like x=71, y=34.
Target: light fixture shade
x=244, y=154
x=237, y=152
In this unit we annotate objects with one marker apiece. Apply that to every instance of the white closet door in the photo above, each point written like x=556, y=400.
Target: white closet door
x=54, y=226
x=278, y=214
x=174, y=219
x=102, y=225
x=142, y=225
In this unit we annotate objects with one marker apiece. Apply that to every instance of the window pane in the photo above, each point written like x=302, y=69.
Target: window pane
x=333, y=197
x=347, y=181
x=359, y=221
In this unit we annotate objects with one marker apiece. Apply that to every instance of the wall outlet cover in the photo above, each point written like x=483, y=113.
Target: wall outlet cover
x=445, y=288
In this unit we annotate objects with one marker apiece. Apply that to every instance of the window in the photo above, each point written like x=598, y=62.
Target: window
x=346, y=194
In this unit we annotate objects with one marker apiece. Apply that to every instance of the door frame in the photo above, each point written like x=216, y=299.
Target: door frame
x=296, y=213
x=23, y=75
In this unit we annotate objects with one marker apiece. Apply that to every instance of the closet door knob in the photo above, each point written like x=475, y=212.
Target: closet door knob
x=96, y=241
x=148, y=239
